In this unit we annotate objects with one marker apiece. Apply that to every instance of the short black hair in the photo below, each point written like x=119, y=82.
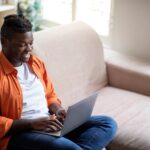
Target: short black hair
x=15, y=24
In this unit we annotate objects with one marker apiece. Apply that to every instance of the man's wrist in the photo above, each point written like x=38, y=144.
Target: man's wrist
x=54, y=107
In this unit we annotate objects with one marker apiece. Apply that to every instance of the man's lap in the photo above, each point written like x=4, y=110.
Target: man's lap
x=81, y=135
x=40, y=141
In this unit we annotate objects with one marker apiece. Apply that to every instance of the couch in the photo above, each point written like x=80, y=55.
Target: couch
x=78, y=67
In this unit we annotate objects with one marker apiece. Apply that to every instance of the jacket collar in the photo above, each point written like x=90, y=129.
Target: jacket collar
x=7, y=66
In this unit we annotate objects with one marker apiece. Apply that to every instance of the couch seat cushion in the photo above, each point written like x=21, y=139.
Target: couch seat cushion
x=132, y=113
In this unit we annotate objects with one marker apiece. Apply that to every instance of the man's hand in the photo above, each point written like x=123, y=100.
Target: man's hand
x=46, y=124
x=58, y=110
x=49, y=124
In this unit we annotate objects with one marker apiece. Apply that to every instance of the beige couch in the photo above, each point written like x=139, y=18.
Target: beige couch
x=75, y=63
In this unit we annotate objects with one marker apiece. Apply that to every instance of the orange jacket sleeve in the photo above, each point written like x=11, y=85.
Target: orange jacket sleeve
x=50, y=92
x=5, y=125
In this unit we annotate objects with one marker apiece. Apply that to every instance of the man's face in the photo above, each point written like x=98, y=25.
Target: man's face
x=19, y=48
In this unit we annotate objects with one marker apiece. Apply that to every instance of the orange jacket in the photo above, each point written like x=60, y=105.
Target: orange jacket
x=11, y=94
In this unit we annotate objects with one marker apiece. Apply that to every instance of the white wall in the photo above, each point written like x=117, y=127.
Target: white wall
x=130, y=31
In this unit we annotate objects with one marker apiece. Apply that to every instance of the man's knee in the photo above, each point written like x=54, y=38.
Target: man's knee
x=110, y=123
x=105, y=122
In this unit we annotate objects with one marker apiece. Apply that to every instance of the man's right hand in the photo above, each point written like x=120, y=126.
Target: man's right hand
x=46, y=124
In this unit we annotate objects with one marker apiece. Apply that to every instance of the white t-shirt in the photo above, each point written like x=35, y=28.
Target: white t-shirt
x=34, y=101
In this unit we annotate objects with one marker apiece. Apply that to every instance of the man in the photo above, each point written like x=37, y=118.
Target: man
x=28, y=101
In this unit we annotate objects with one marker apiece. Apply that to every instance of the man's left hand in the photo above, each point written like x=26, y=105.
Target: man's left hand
x=58, y=110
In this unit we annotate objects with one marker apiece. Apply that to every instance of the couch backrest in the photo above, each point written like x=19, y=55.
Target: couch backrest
x=74, y=59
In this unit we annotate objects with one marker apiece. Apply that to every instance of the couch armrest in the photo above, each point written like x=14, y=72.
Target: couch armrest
x=128, y=72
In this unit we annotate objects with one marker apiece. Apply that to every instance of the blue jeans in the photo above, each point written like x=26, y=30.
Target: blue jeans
x=95, y=134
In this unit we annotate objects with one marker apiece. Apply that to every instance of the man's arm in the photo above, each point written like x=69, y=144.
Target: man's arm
x=49, y=89
x=54, y=104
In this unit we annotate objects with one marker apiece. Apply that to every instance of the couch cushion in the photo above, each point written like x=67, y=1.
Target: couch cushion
x=132, y=112
x=74, y=59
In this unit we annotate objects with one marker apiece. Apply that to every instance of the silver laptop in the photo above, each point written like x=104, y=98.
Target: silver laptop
x=77, y=114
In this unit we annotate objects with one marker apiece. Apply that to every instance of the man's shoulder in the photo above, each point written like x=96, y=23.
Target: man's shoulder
x=36, y=62
x=36, y=59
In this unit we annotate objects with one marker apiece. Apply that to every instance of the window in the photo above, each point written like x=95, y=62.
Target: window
x=58, y=11
x=94, y=12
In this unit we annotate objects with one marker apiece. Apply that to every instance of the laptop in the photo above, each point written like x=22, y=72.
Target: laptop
x=77, y=114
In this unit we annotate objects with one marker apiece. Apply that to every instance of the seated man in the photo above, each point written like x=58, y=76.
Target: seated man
x=28, y=101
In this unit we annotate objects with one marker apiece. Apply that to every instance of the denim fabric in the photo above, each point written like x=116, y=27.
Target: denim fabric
x=95, y=134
